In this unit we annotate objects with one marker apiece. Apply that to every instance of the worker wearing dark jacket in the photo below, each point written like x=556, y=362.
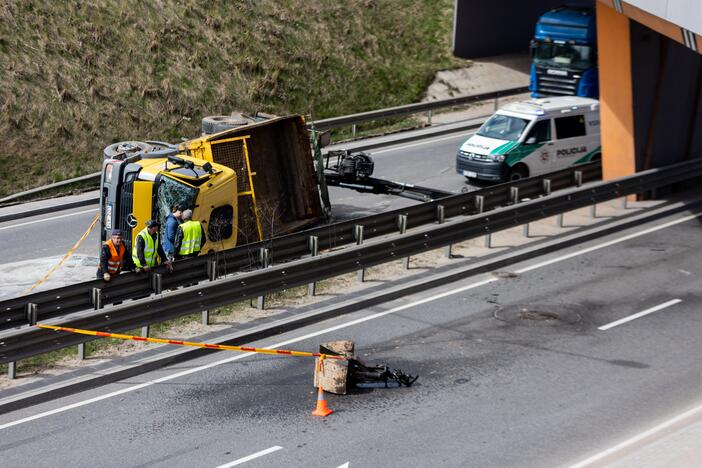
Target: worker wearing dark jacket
x=147, y=251
x=173, y=220
x=112, y=257
x=190, y=237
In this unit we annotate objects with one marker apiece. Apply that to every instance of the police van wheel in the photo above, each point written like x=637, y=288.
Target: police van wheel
x=517, y=172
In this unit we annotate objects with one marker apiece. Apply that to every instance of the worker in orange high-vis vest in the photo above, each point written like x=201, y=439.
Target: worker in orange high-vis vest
x=113, y=257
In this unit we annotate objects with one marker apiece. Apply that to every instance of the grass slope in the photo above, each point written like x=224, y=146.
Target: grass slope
x=77, y=76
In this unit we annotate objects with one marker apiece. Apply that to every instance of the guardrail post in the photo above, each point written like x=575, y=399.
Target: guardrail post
x=264, y=257
x=497, y=104
x=547, y=187
x=96, y=298
x=441, y=218
x=313, y=242
x=514, y=195
x=212, y=276
x=12, y=370
x=353, y=130
x=429, y=116
x=578, y=178
x=480, y=206
x=81, y=351
x=402, y=226
x=625, y=202
x=514, y=198
x=402, y=223
x=145, y=331
x=157, y=283
x=212, y=270
x=440, y=214
x=479, y=203
x=31, y=311
x=358, y=235
x=559, y=220
x=593, y=210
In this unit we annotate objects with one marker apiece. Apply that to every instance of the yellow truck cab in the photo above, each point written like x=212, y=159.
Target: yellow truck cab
x=142, y=181
x=247, y=179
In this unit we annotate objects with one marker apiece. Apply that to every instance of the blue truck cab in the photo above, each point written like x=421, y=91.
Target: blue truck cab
x=564, y=54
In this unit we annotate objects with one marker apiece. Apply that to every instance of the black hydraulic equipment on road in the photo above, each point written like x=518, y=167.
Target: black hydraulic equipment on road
x=337, y=376
x=343, y=168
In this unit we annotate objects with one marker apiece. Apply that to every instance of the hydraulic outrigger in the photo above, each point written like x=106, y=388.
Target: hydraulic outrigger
x=342, y=168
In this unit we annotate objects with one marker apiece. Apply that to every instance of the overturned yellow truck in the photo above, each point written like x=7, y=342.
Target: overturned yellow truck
x=247, y=178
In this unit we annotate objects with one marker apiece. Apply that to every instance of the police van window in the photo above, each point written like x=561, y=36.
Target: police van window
x=570, y=127
x=541, y=131
x=503, y=127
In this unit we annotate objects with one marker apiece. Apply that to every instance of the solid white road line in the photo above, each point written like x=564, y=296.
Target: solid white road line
x=607, y=244
x=343, y=325
x=419, y=143
x=233, y=358
x=275, y=448
x=638, y=437
x=48, y=219
x=640, y=314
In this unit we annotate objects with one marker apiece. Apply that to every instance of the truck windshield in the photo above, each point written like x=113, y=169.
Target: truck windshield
x=503, y=127
x=173, y=192
x=563, y=55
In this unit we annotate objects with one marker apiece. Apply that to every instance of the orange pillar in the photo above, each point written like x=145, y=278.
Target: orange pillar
x=616, y=100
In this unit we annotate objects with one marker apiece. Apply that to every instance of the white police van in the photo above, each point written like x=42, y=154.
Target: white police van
x=529, y=138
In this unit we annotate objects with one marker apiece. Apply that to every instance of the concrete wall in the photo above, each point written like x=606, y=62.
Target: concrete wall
x=483, y=29
x=667, y=97
x=616, y=115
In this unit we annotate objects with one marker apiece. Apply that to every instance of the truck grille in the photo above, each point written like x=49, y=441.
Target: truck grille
x=126, y=205
x=565, y=85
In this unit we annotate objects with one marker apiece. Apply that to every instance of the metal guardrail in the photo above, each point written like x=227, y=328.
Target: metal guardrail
x=416, y=108
x=49, y=209
x=32, y=341
x=84, y=178
x=94, y=294
x=324, y=124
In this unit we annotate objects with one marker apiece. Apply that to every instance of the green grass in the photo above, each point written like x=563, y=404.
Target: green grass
x=78, y=76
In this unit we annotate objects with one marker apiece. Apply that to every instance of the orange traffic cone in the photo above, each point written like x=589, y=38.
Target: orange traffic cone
x=322, y=408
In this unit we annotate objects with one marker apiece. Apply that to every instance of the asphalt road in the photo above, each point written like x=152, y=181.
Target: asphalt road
x=430, y=163
x=37, y=243
x=524, y=368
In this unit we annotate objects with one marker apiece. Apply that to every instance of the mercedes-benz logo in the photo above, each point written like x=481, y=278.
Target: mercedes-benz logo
x=131, y=220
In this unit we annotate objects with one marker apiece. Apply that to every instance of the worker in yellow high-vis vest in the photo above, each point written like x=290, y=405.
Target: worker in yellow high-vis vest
x=147, y=251
x=190, y=237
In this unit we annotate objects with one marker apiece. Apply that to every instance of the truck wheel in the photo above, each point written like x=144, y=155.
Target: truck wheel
x=219, y=123
x=124, y=149
x=517, y=172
